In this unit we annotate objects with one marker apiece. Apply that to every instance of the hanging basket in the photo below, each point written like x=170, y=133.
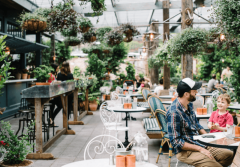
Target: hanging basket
x=106, y=51
x=84, y=29
x=92, y=39
x=128, y=39
x=113, y=41
x=73, y=43
x=96, y=6
x=210, y=50
x=128, y=33
x=35, y=25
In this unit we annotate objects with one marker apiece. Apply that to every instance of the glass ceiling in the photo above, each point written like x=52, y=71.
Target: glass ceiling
x=139, y=12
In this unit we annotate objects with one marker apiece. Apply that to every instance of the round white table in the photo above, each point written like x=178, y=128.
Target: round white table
x=166, y=97
x=237, y=107
x=219, y=141
x=167, y=102
x=102, y=163
x=132, y=95
x=118, y=109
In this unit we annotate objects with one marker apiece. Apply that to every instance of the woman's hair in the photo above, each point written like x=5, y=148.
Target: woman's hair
x=65, y=69
x=226, y=97
x=54, y=66
x=141, y=79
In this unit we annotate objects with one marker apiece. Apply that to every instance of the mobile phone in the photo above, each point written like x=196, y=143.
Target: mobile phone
x=208, y=136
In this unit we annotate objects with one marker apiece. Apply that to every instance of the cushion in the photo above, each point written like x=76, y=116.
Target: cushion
x=150, y=123
x=155, y=129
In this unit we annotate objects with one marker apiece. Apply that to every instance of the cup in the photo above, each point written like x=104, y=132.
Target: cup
x=120, y=161
x=199, y=111
x=237, y=131
x=129, y=105
x=204, y=111
x=170, y=93
x=130, y=160
x=125, y=105
x=134, y=105
x=124, y=92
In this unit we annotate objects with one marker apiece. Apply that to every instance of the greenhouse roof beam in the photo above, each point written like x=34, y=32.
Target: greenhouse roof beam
x=113, y=3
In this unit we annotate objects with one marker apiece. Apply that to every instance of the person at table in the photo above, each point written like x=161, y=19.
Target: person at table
x=212, y=83
x=182, y=125
x=159, y=87
x=53, y=73
x=142, y=81
x=64, y=75
x=226, y=73
x=137, y=83
x=221, y=118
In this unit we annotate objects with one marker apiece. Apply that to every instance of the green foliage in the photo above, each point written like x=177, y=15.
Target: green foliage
x=88, y=36
x=175, y=80
x=5, y=64
x=129, y=29
x=130, y=71
x=114, y=37
x=42, y=73
x=70, y=31
x=189, y=41
x=141, y=75
x=16, y=149
x=62, y=53
x=227, y=16
x=44, y=12
x=76, y=72
x=101, y=32
x=84, y=22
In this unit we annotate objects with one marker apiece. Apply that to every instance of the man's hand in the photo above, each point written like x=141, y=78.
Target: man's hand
x=207, y=153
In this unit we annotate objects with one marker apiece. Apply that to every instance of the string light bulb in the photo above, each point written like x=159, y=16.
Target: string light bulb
x=222, y=37
x=170, y=4
x=7, y=50
x=196, y=9
x=203, y=6
x=211, y=6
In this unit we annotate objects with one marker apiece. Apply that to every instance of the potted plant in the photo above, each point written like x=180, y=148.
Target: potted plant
x=24, y=73
x=70, y=31
x=84, y=24
x=42, y=74
x=114, y=37
x=29, y=75
x=93, y=103
x=33, y=22
x=72, y=41
x=16, y=149
x=89, y=36
x=129, y=30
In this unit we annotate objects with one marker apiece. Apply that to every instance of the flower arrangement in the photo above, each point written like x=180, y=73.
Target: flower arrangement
x=16, y=149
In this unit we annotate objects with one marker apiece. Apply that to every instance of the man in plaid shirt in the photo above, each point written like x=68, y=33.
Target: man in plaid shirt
x=183, y=125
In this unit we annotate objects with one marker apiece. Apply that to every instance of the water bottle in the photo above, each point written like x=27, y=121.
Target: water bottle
x=209, y=106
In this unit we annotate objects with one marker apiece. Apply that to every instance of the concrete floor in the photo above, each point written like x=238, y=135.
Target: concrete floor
x=70, y=148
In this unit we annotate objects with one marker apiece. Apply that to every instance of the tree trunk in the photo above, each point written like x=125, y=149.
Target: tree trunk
x=187, y=66
x=154, y=75
x=166, y=77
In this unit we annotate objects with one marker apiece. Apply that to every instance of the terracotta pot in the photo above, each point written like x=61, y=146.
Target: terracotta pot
x=238, y=118
x=130, y=160
x=25, y=162
x=108, y=97
x=120, y=161
x=28, y=77
x=84, y=29
x=24, y=76
x=42, y=83
x=18, y=76
x=93, y=106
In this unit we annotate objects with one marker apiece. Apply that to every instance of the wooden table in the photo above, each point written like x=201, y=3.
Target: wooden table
x=102, y=163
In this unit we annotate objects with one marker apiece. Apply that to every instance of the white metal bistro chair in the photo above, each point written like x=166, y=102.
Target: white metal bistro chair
x=100, y=146
x=114, y=96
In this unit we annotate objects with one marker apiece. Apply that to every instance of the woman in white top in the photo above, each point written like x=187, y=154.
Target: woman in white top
x=159, y=87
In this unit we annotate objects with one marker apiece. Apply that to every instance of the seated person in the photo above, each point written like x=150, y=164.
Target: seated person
x=146, y=85
x=182, y=125
x=221, y=118
x=142, y=81
x=212, y=83
x=159, y=87
x=137, y=84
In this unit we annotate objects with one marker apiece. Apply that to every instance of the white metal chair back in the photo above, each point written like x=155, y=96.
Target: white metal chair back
x=114, y=96
x=100, y=146
x=108, y=117
x=215, y=94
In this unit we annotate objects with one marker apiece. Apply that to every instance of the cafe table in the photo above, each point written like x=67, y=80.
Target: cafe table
x=118, y=109
x=166, y=97
x=219, y=141
x=134, y=94
x=236, y=107
x=167, y=102
x=207, y=116
x=102, y=163
x=204, y=95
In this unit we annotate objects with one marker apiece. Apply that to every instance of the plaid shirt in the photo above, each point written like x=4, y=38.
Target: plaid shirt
x=182, y=125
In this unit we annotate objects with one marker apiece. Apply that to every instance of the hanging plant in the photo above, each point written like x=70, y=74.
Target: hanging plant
x=129, y=30
x=101, y=33
x=89, y=36
x=98, y=6
x=84, y=24
x=114, y=37
x=71, y=31
x=32, y=22
x=72, y=41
